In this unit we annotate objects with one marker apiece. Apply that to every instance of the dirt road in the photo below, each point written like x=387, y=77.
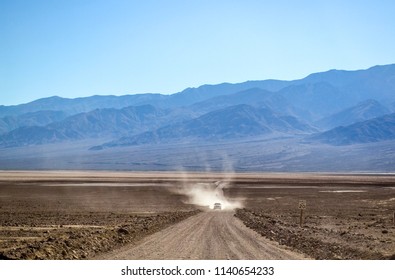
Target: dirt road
x=208, y=235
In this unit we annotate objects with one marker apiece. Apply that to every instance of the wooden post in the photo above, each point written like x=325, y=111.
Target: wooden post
x=393, y=218
x=302, y=206
x=301, y=217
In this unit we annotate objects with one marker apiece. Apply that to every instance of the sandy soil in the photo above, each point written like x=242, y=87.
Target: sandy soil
x=84, y=215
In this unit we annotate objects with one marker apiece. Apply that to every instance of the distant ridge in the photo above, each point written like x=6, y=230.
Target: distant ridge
x=377, y=77
x=230, y=123
x=374, y=130
x=214, y=113
x=365, y=110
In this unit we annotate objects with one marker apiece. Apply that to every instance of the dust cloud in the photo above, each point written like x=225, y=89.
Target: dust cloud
x=206, y=194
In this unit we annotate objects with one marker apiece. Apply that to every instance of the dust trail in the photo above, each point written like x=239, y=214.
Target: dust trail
x=206, y=194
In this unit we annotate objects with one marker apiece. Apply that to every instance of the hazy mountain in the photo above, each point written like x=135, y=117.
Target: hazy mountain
x=375, y=81
x=250, y=126
x=223, y=111
x=233, y=122
x=253, y=97
x=329, y=92
x=321, y=93
x=102, y=122
x=183, y=98
x=190, y=96
x=31, y=135
x=316, y=100
x=40, y=118
x=79, y=105
x=366, y=110
x=374, y=130
x=317, y=96
x=97, y=123
x=325, y=92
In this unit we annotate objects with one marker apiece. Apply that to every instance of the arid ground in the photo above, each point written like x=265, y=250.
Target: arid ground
x=126, y=215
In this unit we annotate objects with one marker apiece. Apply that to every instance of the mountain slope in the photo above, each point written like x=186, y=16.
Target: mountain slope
x=31, y=135
x=374, y=130
x=190, y=96
x=112, y=121
x=316, y=100
x=322, y=90
x=184, y=98
x=40, y=118
x=255, y=97
x=326, y=93
x=207, y=112
x=380, y=77
x=97, y=123
x=225, y=124
x=366, y=110
x=80, y=105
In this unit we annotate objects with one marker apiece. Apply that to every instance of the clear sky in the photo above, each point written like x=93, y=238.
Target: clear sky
x=75, y=48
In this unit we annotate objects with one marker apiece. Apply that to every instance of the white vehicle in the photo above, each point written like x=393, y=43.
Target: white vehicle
x=217, y=206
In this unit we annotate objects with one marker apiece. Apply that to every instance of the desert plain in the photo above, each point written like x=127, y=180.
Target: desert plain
x=167, y=215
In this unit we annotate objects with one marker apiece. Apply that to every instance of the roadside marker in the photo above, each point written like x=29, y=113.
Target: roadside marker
x=302, y=207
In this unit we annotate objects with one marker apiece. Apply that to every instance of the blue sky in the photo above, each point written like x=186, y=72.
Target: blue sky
x=76, y=48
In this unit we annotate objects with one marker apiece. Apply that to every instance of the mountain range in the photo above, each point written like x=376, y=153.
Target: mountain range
x=365, y=110
x=336, y=108
x=372, y=130
x=239, y=121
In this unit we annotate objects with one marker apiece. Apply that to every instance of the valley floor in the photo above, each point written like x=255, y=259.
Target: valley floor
x=87, y=215
x=255, y=155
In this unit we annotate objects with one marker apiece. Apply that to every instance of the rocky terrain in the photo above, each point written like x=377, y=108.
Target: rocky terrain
x=336, y=225
x=72, y=215
x=76, y=236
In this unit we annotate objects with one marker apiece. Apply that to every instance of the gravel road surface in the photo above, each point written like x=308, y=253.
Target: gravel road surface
x=208, y=235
